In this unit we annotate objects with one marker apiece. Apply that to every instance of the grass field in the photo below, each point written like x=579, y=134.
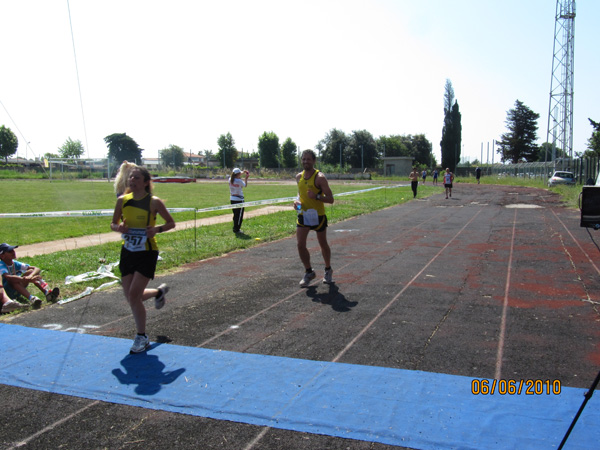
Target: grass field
x=179, y=247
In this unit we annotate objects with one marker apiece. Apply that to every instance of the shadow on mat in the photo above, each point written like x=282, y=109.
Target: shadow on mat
x=334, y=298
x=146, y=371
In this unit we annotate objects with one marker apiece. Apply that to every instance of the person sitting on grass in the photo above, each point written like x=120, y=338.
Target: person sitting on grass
x=7, y=305
x=16, y=276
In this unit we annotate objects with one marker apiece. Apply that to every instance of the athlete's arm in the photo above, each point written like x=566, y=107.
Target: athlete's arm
x=116, y=224
x=159, y=207
x=325, y=195
x=297, y=201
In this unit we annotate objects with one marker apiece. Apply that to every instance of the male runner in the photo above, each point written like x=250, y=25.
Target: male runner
x=313, y=193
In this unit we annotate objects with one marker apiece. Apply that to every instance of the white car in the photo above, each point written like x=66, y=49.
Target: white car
x=561, y=178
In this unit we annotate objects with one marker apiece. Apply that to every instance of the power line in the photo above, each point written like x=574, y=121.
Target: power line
x=78, y=82
x=15, y=125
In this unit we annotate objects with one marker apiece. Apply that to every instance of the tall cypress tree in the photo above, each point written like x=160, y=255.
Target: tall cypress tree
x=452, y=130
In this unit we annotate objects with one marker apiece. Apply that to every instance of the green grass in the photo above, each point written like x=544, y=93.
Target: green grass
x=41, y=196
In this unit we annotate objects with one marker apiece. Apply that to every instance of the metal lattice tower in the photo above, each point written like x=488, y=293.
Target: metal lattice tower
x=560, y=111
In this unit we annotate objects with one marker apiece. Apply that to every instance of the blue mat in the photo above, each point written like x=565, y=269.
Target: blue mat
x=391, y=406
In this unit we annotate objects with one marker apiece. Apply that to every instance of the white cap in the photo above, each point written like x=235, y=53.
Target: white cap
x=236, y=170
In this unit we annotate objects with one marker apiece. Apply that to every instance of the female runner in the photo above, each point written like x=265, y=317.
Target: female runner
x=139, y=252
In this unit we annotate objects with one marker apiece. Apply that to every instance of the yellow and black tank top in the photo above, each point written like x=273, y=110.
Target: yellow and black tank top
x=137, y=216
x=307, y=203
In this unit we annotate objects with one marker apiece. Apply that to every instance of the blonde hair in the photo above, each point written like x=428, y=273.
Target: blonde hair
x=122, y=178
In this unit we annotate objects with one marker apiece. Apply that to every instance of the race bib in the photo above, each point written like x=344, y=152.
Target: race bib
x=135, y=239
x=311, y=217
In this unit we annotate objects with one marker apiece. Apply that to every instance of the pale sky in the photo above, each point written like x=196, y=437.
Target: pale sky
x=184, y=72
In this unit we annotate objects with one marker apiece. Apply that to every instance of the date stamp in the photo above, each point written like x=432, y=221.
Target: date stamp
x=515, y=387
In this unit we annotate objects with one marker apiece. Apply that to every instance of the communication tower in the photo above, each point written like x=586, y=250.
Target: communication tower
x=560, y=110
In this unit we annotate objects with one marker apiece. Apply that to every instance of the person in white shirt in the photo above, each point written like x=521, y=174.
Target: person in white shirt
x=236, y=190
x=448, y=179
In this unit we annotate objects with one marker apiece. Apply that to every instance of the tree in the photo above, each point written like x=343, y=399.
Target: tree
x=8, y=143
x=71, y=149
x=289, y=154
x=335, y=148
x=393, y=145
x=422, y=151
x=518, y=144
x=268, y=149
x=172, y=156
x=123, y=148
x=544, y=152
x=227, y=153
x=362, y=151
x=452, y=129
x=594, y=140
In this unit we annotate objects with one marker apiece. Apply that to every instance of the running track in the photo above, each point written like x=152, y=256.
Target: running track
x=429, y=296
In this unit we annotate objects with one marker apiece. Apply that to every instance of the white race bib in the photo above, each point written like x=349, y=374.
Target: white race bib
x=135, y=239
x=311, y=217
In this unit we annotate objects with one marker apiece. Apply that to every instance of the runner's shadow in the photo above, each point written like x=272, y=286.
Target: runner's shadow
x=333, y=297
x=147, y=372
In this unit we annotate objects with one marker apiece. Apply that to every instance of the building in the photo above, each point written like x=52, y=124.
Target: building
x=397, y=165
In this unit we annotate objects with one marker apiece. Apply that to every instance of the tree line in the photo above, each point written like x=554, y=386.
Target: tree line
x=358, y=149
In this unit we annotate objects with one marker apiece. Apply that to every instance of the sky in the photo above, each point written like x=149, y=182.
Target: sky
x=184, y=72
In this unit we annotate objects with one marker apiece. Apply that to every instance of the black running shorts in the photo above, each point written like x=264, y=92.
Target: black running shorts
x=143, y=262
x=320, y=227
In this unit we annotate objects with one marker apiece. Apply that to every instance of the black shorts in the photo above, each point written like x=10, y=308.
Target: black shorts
x=320, y=227
x=141, y=262
x=448, y=185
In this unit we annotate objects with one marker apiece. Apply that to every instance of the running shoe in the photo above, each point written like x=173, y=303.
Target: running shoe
x=12, y=305
x=35, y=302
x=308, y=277
x=52, y=296
x=140, y=344
x=159, y=300
x=328, y=277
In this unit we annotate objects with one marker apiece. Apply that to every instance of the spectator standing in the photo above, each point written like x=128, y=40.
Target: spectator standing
x=236, y=191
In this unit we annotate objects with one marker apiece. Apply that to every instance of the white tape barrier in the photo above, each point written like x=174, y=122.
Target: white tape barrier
x=109, y=212
x=104, y=271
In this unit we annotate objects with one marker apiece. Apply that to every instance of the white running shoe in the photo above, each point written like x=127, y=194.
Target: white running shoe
x=308, y=277
x=328, y=277
x=12, y=305
x=159, y=301
x=140, y=344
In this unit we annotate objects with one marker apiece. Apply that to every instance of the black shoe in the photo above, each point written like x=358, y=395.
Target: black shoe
x=52, y=296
